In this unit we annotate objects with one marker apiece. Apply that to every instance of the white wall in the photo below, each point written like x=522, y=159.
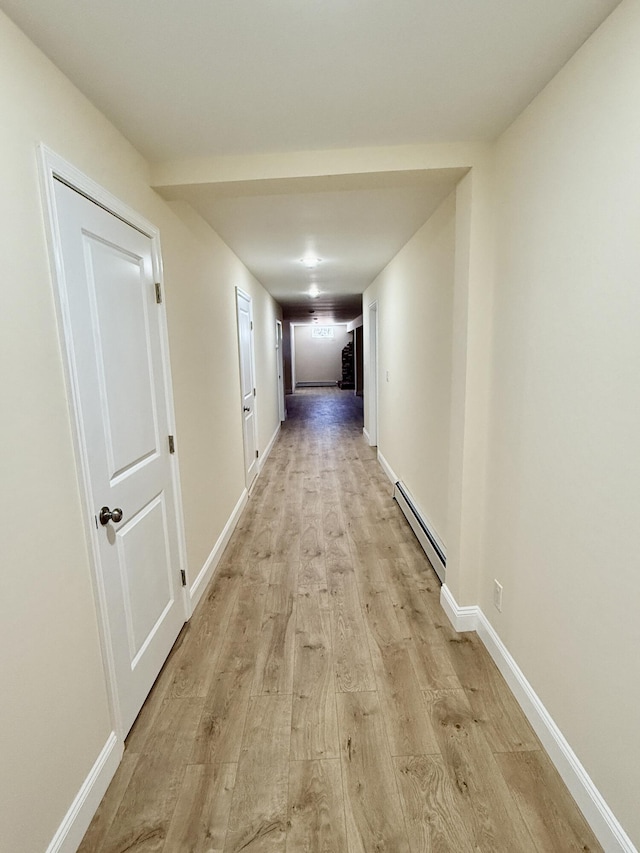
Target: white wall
x=53, y=715
x=319, y=359
x=564, y=453
x=415, y=315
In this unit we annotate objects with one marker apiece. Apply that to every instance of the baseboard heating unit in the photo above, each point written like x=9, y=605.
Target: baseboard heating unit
x=431, y=545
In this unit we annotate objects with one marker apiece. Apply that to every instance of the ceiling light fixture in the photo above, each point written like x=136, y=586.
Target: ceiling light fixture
x=314, y=292
x=310, y=262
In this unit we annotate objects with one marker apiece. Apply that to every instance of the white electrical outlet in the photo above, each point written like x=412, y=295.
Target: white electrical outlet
x=497, y=595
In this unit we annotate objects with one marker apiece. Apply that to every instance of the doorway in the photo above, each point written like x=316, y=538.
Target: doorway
x=109, y=302
x=358, y=345
x=247, y=385
x=280, y=368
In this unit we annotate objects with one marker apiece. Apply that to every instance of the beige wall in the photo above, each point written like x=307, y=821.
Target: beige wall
x=564, y=460
x=319, y=359
x=54, y=714
x=544, y=467
x=553, y=519
x=415, y=314
x=204, y=347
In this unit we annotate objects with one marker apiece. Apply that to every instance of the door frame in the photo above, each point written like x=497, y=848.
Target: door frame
x=292, y=336
x=371, y=385
x=52, y=167
x=249, y=298
x=280, y=368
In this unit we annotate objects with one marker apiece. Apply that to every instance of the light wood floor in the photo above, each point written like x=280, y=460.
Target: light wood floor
x=319, y=700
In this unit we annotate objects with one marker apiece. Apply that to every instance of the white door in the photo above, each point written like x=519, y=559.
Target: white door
x=280, y=368
x=119, y=374
x=247, y=386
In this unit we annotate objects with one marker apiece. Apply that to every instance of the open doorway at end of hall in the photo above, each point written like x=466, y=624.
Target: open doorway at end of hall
x=353, y=360
x=358, y=345
x=316, y=355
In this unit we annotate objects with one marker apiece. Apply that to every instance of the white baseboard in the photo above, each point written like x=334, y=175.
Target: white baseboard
x=76, y=821
x=206, y=572
x=462, y=618
x=388, y=470
x=365, y=433
x=597, y=813
x=269, y=447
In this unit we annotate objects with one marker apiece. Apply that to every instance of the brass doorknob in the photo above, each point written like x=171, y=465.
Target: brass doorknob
x=107, y=515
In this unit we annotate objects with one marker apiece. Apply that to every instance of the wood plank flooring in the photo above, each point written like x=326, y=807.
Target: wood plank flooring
x=319, y=700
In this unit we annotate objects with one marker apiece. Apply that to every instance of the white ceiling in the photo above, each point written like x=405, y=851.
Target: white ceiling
x=187, y=78
x=354, y=224
x=206, y=78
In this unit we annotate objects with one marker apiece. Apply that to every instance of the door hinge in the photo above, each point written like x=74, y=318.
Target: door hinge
x=158, y=293
x=257, y=454
x=172, y=445
x=251, y=325
x=254, y=392
x=183, y=577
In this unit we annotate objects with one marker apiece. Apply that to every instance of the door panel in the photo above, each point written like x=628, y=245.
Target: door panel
x=245, y=344
x=122, y=342
x=119, y=374
x=145, y=569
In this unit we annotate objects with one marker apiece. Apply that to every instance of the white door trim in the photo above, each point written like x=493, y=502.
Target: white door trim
x=292, y=338
x=52, y=167
x=280, y=368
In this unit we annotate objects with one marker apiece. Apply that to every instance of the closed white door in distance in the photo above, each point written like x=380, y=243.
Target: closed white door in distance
x=119, y=373
x=247, y=385
x=280, y=368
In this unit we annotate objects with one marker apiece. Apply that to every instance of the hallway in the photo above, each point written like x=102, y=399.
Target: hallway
x=319, y=699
